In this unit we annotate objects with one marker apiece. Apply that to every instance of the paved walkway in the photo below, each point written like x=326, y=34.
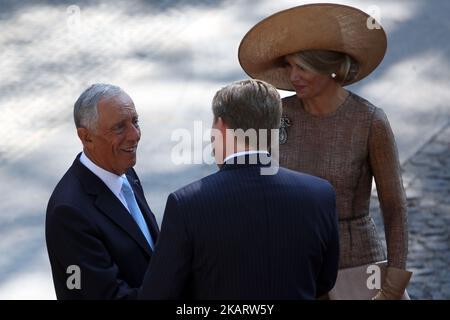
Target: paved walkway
x=427, y=180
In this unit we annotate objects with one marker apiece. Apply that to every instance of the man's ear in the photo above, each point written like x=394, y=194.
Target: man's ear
x=221, y=125
x=85, y=136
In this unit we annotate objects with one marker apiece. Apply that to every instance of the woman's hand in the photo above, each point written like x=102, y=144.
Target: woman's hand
x=394, y=284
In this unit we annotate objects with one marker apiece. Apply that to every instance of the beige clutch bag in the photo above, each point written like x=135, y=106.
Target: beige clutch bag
x=360, y=283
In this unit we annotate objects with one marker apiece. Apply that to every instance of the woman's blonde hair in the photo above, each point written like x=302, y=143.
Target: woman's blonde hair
x=329, y=62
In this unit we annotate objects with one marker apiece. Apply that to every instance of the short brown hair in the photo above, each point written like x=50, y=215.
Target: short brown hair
x=248, y=104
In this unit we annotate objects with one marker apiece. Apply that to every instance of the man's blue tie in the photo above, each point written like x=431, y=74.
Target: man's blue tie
x=135, y=211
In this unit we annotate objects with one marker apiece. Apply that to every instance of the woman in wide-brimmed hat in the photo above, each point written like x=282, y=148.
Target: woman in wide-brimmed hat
x=330, y=132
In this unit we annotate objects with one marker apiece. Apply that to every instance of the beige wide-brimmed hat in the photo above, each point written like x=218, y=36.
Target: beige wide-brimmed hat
x=321, y=26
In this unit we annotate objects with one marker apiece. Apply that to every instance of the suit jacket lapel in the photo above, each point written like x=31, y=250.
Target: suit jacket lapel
x=109, y=205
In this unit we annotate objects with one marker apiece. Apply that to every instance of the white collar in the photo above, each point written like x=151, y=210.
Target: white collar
x=242, y=153
x=112, y=180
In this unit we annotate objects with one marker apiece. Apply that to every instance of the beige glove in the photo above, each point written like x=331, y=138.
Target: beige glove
x=394, y=284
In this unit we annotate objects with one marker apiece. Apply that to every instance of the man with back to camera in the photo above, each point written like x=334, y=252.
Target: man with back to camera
x=241, y=234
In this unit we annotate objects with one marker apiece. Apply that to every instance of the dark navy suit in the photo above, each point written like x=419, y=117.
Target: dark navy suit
x=237, y=234
x=88, y=226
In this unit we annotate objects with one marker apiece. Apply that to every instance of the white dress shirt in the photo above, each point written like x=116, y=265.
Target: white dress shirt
x=242, y=153
x=112, y=180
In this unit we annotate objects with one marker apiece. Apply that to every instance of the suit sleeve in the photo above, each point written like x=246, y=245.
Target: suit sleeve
x=328, y=273
x=170, y=268
x=72, y=240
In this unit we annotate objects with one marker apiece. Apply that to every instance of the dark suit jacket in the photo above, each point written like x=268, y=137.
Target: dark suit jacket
x=88, y=226
x=237, y=234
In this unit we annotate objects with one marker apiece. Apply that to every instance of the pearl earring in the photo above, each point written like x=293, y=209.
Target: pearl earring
x=333, y=75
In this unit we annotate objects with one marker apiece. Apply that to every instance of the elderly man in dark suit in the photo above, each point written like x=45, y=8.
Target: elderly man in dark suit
x=242, y=233
x=100, y=230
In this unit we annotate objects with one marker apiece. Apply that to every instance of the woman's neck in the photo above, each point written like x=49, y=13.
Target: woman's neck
x=327, y=102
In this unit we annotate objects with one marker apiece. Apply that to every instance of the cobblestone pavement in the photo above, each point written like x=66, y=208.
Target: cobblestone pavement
x=426, y=177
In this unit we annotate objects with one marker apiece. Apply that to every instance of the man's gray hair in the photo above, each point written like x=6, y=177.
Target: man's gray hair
x=248, y=104
x=85, y=111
